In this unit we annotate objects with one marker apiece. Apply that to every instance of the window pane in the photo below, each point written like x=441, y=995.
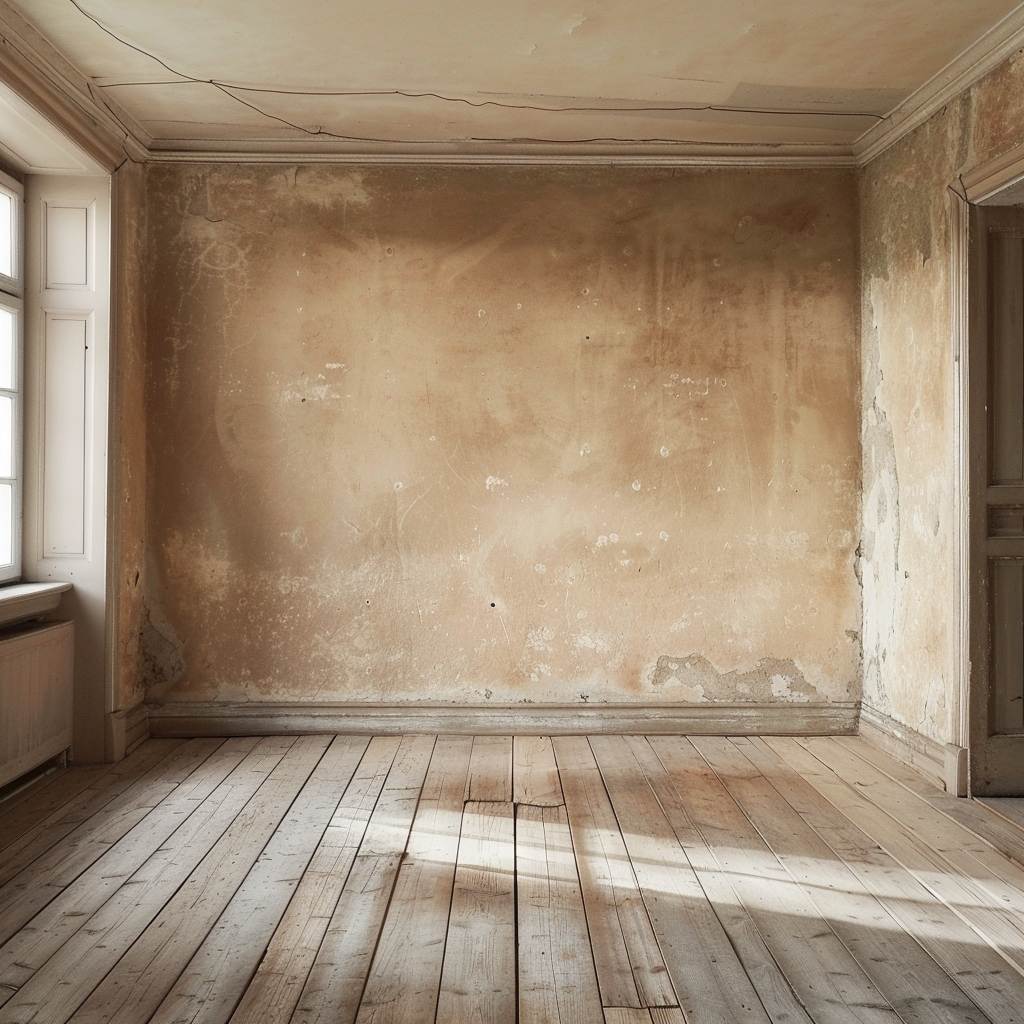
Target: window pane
x=6, y=524
x=6, y=235
x=6, y=436
x=8, y=325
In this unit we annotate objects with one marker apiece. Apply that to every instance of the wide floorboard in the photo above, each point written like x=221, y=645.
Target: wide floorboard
x=448, y=879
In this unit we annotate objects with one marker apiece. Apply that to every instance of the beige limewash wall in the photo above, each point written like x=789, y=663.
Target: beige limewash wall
x=504, y=434
x=127, y=509
x=910, y=566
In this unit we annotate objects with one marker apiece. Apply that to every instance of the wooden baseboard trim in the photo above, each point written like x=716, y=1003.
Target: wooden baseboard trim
x=945, y=764
x=125, y=731
x=248, y=719
x=136, y=727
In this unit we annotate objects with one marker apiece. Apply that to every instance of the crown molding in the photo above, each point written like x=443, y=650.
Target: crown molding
x=981, y=57
x=988, y=179
x=565, y=155
x=47, y=82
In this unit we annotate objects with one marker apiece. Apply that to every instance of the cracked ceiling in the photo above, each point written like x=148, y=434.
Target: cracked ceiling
x=651, y=75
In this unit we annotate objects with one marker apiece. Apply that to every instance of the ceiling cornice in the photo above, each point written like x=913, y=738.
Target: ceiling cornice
x=43, y=78
x=681, y=155
x=983, y=56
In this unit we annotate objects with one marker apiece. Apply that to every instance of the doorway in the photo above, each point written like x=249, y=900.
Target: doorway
x=996, y=499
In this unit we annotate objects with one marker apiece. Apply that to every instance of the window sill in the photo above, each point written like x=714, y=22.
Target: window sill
x=20, y=602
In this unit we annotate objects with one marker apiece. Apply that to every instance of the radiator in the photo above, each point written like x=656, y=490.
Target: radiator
x=36, y=668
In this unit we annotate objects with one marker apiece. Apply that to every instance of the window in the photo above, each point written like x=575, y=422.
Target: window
x=11, y=314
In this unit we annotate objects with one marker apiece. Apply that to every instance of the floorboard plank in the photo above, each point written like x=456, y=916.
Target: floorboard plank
x=49, y=829
x=1007, y=836
x=278, y=982
x=631, y=971
x=95, y=948
x=490, y=770
x=626, y=1015
x=289, y=880
x=908, y=978
x=336, y=981
x=41, y=881
x=405, y=977
x=32, y=946
x=534, y=772
x=672, y=767
x=32, y=803
x=707, y=976
x=145, y=974
x=828, y=981
x=986, y=887
x=852, y=827
x=557, y=982
x=1011, y=808
x=216, y=977
x=478, y=979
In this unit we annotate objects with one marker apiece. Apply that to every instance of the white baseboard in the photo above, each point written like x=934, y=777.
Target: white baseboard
x=945, y=764
x=136, y=727
x=247, y=719
x=125, y=731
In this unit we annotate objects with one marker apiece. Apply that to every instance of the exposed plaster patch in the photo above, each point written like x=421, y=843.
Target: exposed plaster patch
x=321, y=187
x=592, y=642
x=305, y=388
x=782, y=688
x=693, y=678
x=882, y=525
x=540, y=639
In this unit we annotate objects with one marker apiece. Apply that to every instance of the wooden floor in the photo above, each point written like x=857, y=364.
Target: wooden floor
x=626, y=880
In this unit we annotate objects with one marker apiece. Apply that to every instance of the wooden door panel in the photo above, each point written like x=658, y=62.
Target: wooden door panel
x=1006, y=355
x=996, y=429
x=1006, y=590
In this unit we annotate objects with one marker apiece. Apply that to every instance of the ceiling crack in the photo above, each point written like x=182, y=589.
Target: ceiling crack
x=230, y=91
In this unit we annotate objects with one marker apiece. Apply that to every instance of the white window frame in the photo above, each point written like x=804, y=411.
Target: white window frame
x=12, y=290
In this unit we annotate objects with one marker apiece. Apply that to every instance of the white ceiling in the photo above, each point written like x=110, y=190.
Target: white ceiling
x=216, y=75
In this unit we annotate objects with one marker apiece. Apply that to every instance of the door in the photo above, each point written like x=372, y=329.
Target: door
x=996, y=446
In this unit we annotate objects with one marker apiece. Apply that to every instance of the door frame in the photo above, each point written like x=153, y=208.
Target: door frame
x=1000, y=183
x=1004, y=173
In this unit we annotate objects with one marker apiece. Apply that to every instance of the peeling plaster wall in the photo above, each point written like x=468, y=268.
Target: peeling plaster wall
x=910, y=516
x=470, y=435
x=127, y=508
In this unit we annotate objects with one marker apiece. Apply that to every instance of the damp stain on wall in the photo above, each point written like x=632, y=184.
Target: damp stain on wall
x=471, y=434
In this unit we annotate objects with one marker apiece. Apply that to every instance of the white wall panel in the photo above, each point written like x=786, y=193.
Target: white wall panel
x=67, y=344
x=65, y=429
x=68, y=246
